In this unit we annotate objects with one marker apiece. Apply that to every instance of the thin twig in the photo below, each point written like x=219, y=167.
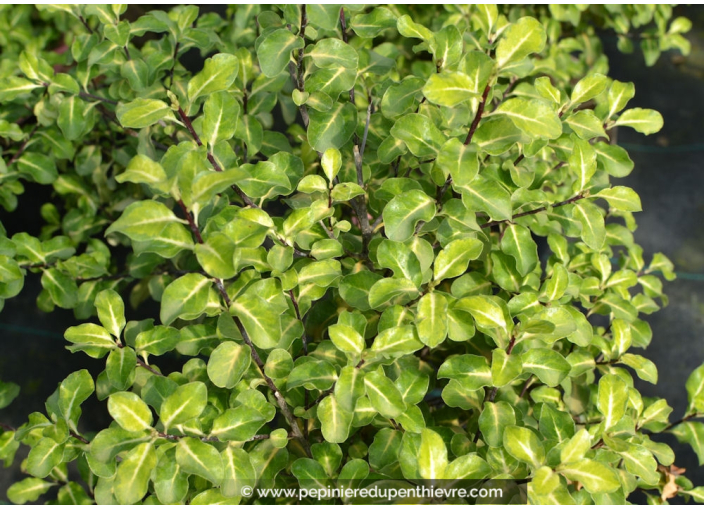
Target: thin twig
x=23, y=147
x=468, y=140
x=534, y=211
x=147, y=367
x=85, y=23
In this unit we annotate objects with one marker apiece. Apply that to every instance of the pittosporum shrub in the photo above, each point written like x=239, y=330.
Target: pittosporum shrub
x=341, y=216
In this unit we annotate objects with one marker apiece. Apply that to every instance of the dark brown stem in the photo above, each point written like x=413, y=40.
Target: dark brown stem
x=79, y=437
x=173, y=64
x=290, y=418
x=86, y=95
x=304, y=339
x=467, y=141
x=191, y=222
x=23, y=147
x=320, y=398
x=127, y=52
x=147, y=367
x=85, y=24
x=529, y=381
x=533, y=211
x=478, y=116
x=343, y=26
x=7, y=427
x=216, y=166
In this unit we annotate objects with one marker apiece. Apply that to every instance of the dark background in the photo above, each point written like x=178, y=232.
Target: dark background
x=668, y=176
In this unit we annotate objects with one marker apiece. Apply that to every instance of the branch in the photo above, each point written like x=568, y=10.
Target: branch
x=297, y=70
x=290, y=418
x=147, y=367
x=79, y=437
x=23, y=147
x=468, y=140
x=85, y=23
x=216, y=166
x=575, y=198
x=86, y=95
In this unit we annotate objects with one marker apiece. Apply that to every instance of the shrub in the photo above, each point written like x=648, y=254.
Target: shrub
x=344, y=216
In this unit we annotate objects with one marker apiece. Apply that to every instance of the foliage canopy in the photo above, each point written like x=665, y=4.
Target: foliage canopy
x=385, y=242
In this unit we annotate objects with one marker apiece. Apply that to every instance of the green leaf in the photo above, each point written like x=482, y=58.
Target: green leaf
x=333, y=128
x=198, y=458
x=489, y=313
x=645, y=369
x=132, y=478
x=346, y=338
x=400, y=259
x=72, y=117
x=170, y=482
x=431, y=319
x=597, y=477
x=372, y=24
x=493, y=420
x=142, y=113
x=519, y=40
x=274, y=51
x=92, y=339
x=400, y=98
x=187, y=402
x=621, y=198
x=458, y=161
x=471, y=371
x=419, y=134
x=219, y=72
x=120, y=368
x=141, y=221
x=44, y=457
x=186, y=298
x=504, y=367
x=692, y=433
x=408, y=28
x=228, y=363
x=432, y=455
x=332, y=54
x=592, y=222
x=349, y=388
x=111, y=311
x=397, y=341
x=524, y=445
x=695, y=389
x=260, y=320
x=488, y=196
x=39, y=167
x=238, y=424
x=619, y=95
x=517, y=242
x=129, y=411
x=454, y=259
x=391, y=291
x=582, y=162
x=221, y=114
x=588, y=88
x=548, y=365
x=612, y=399
x=238, y=471
x=61, y=288
x=403, y=212
x=313, y=375
x=28, y=490
x=642, y=120
x=449, y=89
x=157, y=340
x=278, y=364
x=534, y=117
x=75, y=389
x=555, y=424
x=335, y=422
x=383, y=395
x=8, y=393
